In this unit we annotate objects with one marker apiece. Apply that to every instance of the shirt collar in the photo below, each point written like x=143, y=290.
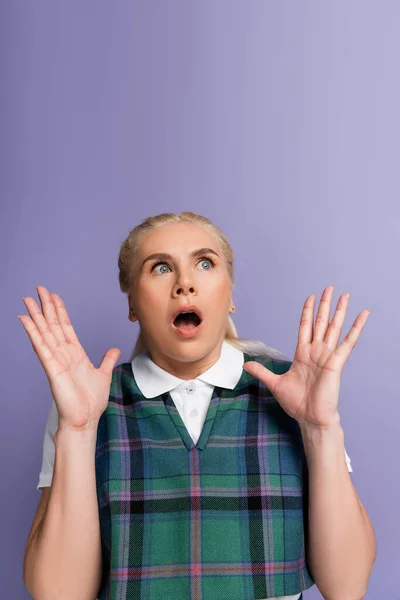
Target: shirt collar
x=153, y=381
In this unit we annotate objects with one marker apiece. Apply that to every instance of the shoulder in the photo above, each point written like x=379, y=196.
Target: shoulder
x=121, y=369
x=123, y=387
x=281, y=365
x=120, y=386
x=276, y=365
x=121, y=375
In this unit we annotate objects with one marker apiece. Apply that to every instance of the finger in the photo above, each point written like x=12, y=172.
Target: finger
x=109, y=360
x=262, y=373
x=39, y=345
x=40, y=322
x=335, y=328
x=305, y=335
x=346, y=347
x=323, y=314
x=50, y=313
x=64, y=320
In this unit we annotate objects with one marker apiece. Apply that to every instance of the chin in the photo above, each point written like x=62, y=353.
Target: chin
x=191, y=351
x=186, y=350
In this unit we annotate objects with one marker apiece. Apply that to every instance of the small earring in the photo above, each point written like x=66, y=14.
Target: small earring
x=233, y=308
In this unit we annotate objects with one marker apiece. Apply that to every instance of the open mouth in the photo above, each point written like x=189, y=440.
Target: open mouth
x=187, y=323
x=187, y=319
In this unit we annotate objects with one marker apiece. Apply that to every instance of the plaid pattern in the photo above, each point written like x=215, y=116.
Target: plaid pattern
x=222, y=519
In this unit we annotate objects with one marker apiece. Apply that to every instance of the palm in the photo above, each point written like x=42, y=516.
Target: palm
x=75, y=378
x=309, y=390
x=80, y=390
x=298, y=391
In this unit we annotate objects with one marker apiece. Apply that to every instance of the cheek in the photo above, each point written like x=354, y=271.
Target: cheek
x=151, y=302
x=220, y=292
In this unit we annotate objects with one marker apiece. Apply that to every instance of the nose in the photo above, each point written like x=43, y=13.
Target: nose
x=183, y=292
x=183, y=289
x=184, y=285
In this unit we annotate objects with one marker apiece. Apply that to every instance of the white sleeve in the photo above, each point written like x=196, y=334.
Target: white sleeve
x=46, y=472
x=348, y=461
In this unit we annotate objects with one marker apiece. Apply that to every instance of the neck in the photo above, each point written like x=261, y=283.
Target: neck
x=189, y=369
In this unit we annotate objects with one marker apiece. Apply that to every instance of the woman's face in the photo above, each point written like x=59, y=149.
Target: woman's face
x=163, y=284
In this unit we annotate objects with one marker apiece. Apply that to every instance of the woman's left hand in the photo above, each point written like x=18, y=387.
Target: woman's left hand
x=309, y=390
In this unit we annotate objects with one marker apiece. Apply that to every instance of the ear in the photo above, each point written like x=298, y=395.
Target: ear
x=131, y=316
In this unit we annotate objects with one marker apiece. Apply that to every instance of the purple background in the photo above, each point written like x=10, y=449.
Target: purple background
x=277, y=120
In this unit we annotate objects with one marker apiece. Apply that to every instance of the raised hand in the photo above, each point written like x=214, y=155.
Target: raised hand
x=80, y=390
x=309, y=390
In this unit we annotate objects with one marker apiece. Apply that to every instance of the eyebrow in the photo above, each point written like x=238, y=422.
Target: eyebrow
x=166, y=256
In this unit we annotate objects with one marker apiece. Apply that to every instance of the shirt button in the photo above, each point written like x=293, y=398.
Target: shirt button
x=193, y=413
x=191, y=387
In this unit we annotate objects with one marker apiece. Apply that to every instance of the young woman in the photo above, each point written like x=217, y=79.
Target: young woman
x=207, y=466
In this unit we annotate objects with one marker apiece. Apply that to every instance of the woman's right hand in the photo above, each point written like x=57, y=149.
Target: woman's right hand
x=80, y=390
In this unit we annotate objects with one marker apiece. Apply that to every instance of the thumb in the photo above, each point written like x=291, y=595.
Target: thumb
x=109, y=360
x=262, y=373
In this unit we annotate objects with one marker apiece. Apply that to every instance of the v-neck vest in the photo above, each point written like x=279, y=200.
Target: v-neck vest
x=221, y=519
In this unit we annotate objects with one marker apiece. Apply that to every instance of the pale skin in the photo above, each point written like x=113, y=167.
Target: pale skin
x=181, y=279
x=309, y=390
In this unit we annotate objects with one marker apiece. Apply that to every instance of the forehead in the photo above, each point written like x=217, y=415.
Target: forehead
x=178, y=237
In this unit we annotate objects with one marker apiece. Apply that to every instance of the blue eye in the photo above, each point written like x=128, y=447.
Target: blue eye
x=161, y=264
x=203, y=259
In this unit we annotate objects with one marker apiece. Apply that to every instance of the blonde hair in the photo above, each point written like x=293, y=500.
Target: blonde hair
x=129, y=253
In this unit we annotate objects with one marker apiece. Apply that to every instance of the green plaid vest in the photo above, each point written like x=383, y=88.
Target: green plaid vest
x=223, y=519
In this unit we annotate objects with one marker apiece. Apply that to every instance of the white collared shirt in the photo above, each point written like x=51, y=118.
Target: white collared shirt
x=191, y=397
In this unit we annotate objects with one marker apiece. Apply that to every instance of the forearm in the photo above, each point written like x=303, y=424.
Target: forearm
x=342, y=543
x=64, y=557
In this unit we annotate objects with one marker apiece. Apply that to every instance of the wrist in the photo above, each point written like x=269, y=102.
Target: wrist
x=332, y=425
x=323, y=443
x=76, y=436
